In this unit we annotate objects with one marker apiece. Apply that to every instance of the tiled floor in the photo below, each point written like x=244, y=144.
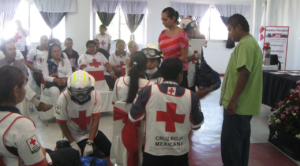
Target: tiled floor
x=207, y=139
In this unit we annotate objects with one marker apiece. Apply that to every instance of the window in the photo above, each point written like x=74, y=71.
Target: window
x=212, y=25
x=33, y=22
x=118, y=28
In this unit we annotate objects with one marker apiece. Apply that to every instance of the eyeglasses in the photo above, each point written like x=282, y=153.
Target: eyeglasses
x=150, y=52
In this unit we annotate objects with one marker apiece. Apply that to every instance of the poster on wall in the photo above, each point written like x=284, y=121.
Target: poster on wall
x=278, y=36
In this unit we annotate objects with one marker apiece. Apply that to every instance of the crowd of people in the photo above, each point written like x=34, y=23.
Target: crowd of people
x=158, y=80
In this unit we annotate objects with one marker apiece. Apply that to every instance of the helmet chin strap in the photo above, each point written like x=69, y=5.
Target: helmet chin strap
x=87, y=99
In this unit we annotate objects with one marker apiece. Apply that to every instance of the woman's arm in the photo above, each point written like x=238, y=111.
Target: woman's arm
x=184, y=53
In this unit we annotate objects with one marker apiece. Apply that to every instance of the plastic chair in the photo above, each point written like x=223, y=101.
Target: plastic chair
x=119, y=152
x=274, y=61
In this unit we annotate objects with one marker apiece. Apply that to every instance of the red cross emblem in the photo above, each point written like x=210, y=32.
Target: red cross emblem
x=32, y=141
x=183, y=25
x=57, y=107
x=102, y=43
x=41, y=60
x=171, y=90
x=95, y=63
x=83, y=120
x=17, y=37
x=170, y=117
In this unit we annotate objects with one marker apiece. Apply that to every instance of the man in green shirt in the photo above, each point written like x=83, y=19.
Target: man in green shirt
x=241, y=93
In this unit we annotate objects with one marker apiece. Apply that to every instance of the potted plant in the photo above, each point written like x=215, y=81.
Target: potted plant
x=284, y=123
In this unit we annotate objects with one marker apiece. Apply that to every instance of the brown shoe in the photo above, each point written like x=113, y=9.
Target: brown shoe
x=44, y=107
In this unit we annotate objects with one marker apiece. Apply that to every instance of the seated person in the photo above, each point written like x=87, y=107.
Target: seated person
x=35, y=59
x=19, y=55
x=118, y=59
x=101, y=50
x=132, y=47
x=20, y=144
x=78, y=113
x=97, y=65
x=56, y=71
x=173, y=110
x=126, y=87
x=9, y=51
x=72, y=54
x=154, y=58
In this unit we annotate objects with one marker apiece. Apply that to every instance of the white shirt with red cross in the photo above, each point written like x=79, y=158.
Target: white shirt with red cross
x=170, y=114
x=103, y=40
x=78, y=117
x=117, y=60
x=36, y=57
x=19, y=134
x=20, y=40
x=121, y=87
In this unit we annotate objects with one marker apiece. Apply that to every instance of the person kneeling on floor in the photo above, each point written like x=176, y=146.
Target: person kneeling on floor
x=78, y=114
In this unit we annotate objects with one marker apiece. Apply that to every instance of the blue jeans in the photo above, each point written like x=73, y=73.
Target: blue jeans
x=235, y=139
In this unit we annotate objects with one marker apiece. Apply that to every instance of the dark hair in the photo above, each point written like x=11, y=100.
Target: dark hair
x=10, y=77
x=103, y=26
x=119, y=41
x=43, y=37
x=3, y=46
x=50, y=50
x=68, y=39
x=138, y=63
x=53, y=40
x=90, y=42
x=170, y=68
x=172, y=13
x=238, y=19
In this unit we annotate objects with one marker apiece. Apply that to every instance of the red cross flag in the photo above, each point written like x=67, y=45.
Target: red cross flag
x=33, y=144
x=172, y=91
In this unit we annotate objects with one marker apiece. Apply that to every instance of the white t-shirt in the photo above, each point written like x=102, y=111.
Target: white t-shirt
x=117, y=60
x=22, y=137
x=37, y=57
x=19, y=55
x=121, y=87
x=62, y=70
x=93, y=61
x=20, y=40
x=192, y=70
x=78, y=117
x=103, y=40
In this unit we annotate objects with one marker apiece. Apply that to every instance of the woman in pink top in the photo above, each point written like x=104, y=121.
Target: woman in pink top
x=173, y=41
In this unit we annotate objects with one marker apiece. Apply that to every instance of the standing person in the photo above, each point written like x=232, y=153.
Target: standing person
x=154, y=58
x=189, y=26
x=35, y=59
x=20, y=144
x=126, y=87
x=241, y=93
x=72, y=54
x=20, y=39
x=104, y=38
x=9, y=51
x=118, y=59
x=56, y=71
x=173, y=41
x=101, y=50
x=78, y=114
x=132, y=47
x=170, y=112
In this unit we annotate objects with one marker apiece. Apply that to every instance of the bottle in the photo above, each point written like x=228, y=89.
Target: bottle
x=267, y=50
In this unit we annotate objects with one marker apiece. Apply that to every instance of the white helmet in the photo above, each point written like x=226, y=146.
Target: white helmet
x=80, y=84
x=187, y=23
x=152, y=51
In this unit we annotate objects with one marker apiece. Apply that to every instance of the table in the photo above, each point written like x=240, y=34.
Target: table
x=275, y=86
x=270, y=67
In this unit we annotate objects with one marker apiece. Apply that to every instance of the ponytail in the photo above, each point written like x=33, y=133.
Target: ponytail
x=138, y=63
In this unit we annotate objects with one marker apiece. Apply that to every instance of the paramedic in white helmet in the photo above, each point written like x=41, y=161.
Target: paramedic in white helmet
x=154, y=57
x=78, y=114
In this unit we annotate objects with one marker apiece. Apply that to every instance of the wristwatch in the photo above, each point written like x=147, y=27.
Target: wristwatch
x=90, y=142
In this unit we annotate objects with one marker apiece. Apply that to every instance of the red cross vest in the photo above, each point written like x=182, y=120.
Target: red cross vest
x=6, y=121
x=167, y=123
